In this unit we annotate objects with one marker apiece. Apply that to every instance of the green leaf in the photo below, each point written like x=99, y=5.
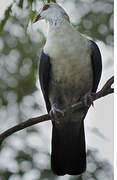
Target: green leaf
x=7, y=15
x=30, y=2
x=20, y=4
x=51, y=1
x=33, y=15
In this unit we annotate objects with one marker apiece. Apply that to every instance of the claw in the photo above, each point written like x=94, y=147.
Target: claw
x=88, y=99
x=53, y=114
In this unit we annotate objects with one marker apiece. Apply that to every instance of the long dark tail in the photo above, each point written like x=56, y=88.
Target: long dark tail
x=68, y=149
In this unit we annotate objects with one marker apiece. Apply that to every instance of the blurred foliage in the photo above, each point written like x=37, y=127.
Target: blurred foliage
x=96, y=17
x=24, y=156
x=98, y=22
x=7, y=15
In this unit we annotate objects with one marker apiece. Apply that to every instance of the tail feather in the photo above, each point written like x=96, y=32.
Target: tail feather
x=68, y=149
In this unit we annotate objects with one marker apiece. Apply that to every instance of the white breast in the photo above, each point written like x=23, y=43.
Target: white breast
x=70, y=58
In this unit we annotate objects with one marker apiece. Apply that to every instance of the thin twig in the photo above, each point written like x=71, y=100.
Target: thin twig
x=103, y=92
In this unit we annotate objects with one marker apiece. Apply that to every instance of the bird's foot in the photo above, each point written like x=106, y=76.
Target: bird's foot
x=88, y=99
x=53, y=114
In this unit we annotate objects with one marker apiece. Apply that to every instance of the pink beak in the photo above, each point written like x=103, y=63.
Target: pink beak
x=37, y=18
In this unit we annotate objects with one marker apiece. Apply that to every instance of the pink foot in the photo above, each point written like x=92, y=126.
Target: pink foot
x=53, y=114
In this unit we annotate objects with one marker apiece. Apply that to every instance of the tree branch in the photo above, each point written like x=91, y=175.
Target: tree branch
x=106, y=89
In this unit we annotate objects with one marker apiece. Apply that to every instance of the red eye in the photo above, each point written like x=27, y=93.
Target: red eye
x=46, y=7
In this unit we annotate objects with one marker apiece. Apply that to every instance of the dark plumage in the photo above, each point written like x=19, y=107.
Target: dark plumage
x=96, y=65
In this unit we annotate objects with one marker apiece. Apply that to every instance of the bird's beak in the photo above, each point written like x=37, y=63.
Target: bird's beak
x=37, y=18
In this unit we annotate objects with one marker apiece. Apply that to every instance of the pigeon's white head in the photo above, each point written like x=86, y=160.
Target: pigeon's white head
x=52, y=12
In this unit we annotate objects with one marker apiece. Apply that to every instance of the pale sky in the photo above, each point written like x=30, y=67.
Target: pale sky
x=3, y=5
x=101, y=116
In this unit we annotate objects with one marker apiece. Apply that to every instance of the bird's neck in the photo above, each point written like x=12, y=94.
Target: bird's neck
x=59, y=28
x=62, y=38
x=57, y=20
x=57, y=24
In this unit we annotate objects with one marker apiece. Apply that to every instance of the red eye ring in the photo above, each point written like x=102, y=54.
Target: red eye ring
x=46, y=7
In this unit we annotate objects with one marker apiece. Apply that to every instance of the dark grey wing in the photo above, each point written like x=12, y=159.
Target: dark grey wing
x=44, y=77
x=96, y=65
